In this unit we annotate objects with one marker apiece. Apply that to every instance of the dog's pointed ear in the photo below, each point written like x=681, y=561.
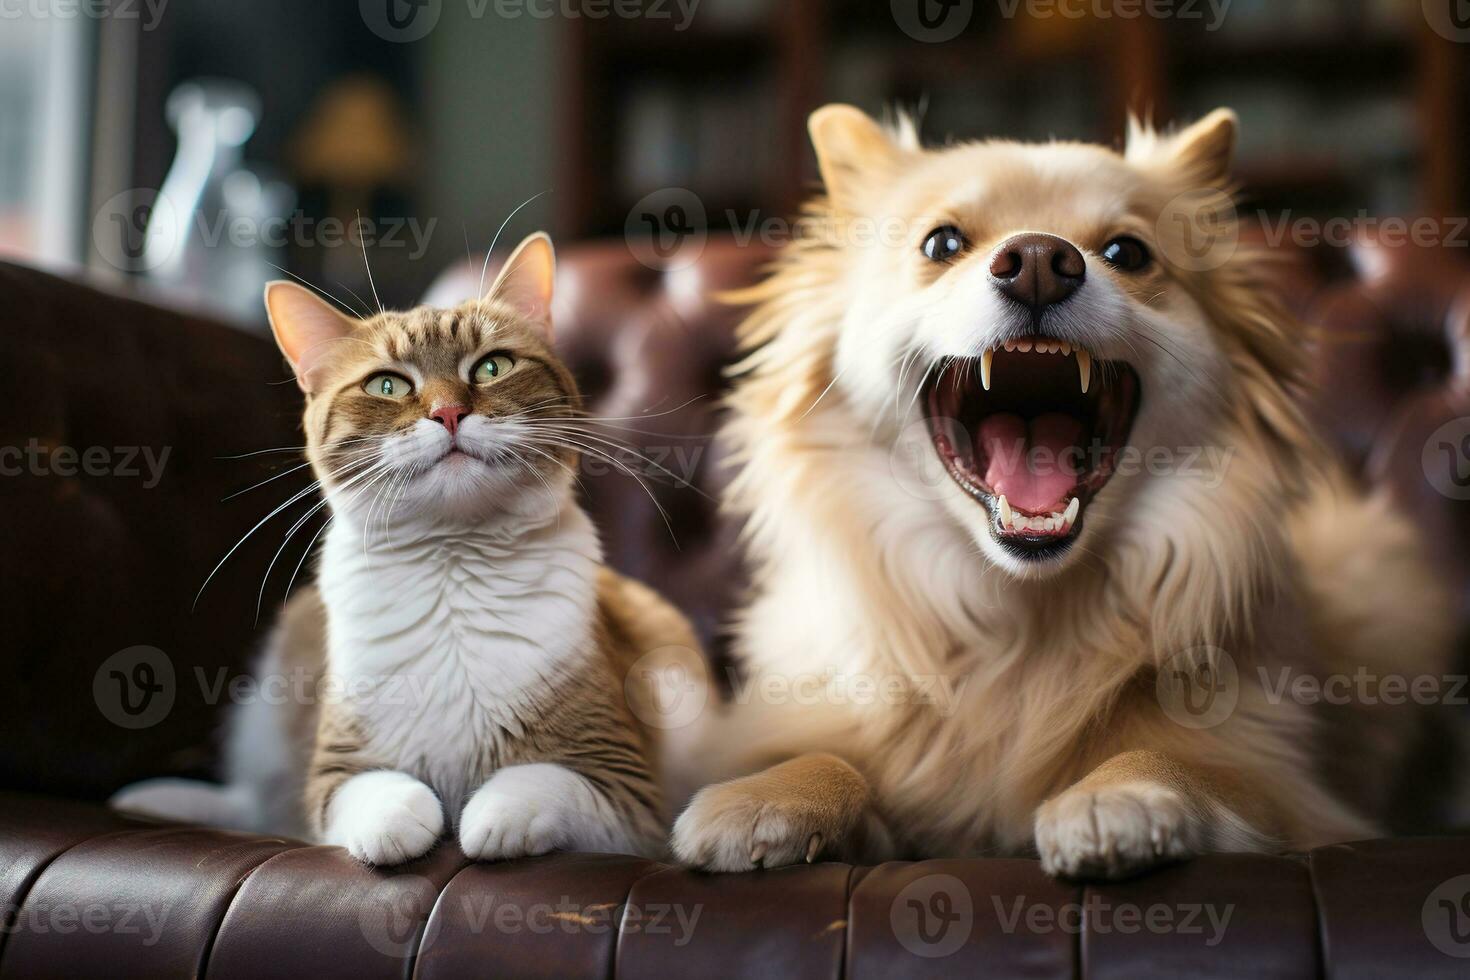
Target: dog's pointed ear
x=304, y=325
x=528, y=279
x=1202, y=153
x=854, y=152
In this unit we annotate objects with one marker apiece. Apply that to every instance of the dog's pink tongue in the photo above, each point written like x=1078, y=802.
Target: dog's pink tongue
x=1031, y=464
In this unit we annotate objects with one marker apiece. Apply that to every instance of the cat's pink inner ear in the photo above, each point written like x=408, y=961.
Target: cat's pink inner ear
x=528, y=280
x=305, y=326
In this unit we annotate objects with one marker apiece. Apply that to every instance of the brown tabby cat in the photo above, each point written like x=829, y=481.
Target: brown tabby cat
x=475, y=648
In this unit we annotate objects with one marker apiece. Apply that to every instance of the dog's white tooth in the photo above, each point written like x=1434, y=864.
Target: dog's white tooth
x=1084, y=368
x=1066, y=347
x=1010, y=345
x=985, y=360
x=1024, y=346
x=1006, y=517
x=1073, y=509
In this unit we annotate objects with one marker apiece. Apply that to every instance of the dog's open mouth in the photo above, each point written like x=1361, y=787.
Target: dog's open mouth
x=1032, y=430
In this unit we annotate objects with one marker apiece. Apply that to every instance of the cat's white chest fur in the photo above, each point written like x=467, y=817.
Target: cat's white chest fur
x=446, y=641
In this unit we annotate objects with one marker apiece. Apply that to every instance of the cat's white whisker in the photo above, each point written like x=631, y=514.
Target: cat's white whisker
x=317, y=289
x=301, y=522
x=480, y=293
x=362, y=240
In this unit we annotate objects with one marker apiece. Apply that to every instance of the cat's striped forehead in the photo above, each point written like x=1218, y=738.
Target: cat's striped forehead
x=426, y=331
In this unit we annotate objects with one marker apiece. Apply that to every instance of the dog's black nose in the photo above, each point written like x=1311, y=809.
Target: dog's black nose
x=1037, y=270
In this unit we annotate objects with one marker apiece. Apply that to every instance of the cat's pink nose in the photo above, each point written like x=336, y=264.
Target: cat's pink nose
x=449, y=416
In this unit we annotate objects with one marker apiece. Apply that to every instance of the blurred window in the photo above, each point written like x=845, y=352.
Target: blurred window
x=44, y=98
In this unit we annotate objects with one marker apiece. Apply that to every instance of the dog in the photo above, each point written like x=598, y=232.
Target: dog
x=1038, y=526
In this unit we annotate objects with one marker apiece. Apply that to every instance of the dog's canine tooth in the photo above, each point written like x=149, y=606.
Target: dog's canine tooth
x=985, y=360
x=1084, y=368
x=1073, y=509
x=1006, y=517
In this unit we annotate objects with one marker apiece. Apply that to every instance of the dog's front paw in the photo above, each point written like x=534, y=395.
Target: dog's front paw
x=740, y=825
x=1116, y=831
x=384, y=817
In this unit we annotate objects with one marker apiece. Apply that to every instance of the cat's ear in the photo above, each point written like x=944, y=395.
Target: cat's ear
x=304, y=325
x=528, y=279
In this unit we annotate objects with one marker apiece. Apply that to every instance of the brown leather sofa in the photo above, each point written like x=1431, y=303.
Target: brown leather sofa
x=114, y=672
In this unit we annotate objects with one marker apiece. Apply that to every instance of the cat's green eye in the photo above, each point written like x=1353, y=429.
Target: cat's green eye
x=492, y=368
x=388, y=386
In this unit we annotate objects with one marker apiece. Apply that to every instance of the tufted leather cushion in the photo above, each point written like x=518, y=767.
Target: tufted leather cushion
x=117, y=897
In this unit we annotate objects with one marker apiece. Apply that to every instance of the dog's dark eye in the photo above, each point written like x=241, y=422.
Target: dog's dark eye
x=1126, y=253
x=944, y=243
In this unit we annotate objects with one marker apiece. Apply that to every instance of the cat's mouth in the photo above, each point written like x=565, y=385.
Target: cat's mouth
x=1031, y=431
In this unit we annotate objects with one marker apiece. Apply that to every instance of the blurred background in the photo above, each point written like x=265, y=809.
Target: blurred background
x=270, y=126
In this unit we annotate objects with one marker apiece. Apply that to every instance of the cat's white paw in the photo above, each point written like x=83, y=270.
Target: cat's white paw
x=384, y=817
x=532, y=809
x=1116, y=831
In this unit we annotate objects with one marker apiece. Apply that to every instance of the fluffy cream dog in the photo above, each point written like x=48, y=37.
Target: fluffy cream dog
x=1072, y=640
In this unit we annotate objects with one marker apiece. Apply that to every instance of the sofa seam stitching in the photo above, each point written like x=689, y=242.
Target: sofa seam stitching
x=612, y=966
x=208, y=951
x=25, y=893
x=412, y=965
x=1319, y=935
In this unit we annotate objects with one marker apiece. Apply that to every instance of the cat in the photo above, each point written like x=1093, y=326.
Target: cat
x=464, y=652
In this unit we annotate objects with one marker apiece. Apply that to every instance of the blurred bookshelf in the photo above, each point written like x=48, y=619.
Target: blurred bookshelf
x=1347, y=105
